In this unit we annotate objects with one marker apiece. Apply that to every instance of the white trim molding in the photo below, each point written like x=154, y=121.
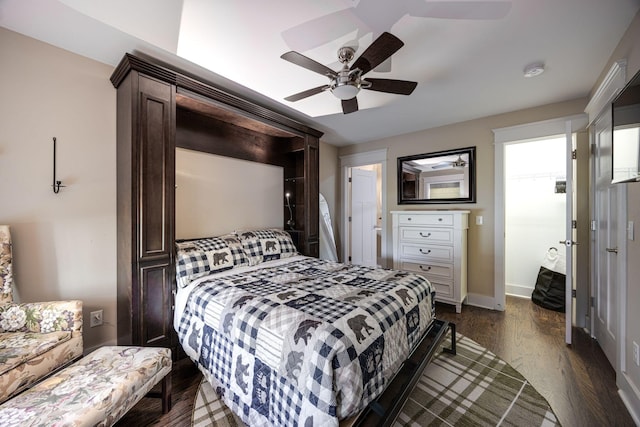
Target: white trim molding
x=482, y=301
x=611, y=85
x=540, y=129
x=362, y=159
x=629, y=395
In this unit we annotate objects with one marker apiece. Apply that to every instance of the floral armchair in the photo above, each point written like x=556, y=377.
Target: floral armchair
x=36, y=339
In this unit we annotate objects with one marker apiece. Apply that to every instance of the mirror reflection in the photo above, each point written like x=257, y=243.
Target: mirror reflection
x=439, y=177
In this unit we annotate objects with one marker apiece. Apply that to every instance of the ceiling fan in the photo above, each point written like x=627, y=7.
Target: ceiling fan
x=346, y=83
x=458, y=163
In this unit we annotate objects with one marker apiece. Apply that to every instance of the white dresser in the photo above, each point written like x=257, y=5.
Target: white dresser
x=434, y=244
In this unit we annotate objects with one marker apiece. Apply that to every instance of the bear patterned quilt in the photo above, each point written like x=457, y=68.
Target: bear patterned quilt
x=307, y=342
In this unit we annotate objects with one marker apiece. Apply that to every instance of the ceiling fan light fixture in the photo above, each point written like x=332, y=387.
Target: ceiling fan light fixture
x=345, y=91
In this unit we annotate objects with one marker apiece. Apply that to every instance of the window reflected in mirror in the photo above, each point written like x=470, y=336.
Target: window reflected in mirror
x=439, y=177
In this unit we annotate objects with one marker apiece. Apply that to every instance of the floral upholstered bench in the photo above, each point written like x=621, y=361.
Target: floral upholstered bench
x=97, y=390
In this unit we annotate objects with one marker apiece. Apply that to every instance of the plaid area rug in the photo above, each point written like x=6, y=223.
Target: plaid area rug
x=472, y=388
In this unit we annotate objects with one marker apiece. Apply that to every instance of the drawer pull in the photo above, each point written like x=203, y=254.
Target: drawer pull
x=425, y=235
x=423, y=252
x=425, y=269
x=409, y=219
x=440, y=219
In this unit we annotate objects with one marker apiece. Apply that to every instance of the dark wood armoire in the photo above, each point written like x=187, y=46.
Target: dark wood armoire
x=160, y=108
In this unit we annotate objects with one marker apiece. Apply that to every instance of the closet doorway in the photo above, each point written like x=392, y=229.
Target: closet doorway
x=566, y=129
x=535, y=211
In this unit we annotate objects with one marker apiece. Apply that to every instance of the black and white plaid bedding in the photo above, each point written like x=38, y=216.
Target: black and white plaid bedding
x=305, y=343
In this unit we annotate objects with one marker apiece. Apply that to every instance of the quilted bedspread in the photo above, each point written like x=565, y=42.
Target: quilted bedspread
x=307, y=342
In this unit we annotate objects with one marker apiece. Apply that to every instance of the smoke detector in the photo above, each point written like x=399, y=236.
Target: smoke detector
x=534, y=69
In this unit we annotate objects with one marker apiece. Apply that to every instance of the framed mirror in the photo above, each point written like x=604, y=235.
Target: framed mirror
x=441, y=177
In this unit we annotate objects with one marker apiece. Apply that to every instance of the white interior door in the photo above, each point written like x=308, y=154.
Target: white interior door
x=605, y=309
x=569, y=236
x=363, y=217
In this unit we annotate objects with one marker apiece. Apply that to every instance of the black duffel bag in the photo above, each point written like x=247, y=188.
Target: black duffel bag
x=549, y=291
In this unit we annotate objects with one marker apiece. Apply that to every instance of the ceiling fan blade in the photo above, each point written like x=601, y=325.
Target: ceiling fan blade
x=308, y=63
x=349, y=105
x=400, y=87
x=381, y=49
x=306, y=93
x=441, y=165
x=462, y=9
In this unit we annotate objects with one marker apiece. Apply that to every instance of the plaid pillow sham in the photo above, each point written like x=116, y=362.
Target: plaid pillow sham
x=198, y=257
x=266, y=245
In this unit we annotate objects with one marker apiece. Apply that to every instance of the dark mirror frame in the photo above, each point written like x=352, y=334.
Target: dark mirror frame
x=407, y=183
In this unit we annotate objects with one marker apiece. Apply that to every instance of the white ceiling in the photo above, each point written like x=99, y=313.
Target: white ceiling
x=465, y=68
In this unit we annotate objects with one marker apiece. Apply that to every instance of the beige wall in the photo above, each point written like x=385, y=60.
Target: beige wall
x=64, y=244
x=471, y=133
x=629, y=49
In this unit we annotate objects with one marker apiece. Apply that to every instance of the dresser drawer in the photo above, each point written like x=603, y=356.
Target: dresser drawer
x=442, y=289
x=426, y=235
x=426, y=252
x=437, y=219
x=437, y=272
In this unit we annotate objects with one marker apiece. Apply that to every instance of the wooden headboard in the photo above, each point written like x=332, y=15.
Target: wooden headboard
x=159, y=109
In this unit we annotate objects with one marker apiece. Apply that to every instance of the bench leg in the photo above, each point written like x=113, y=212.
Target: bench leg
x=166, y=393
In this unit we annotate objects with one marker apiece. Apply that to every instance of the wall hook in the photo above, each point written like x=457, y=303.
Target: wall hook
x=56, y=184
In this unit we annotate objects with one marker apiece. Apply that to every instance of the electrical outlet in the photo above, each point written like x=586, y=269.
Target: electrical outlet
x=636, y=353
x=95, y=318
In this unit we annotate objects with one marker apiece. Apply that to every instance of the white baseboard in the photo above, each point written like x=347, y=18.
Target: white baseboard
x=630, y=396
x=481, y=301
x=518, y=290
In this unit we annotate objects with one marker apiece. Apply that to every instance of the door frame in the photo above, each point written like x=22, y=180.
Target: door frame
x=598, y=107
x=503, y=136
x=355, y=160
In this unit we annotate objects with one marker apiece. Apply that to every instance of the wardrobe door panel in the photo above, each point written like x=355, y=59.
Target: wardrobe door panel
x=156, y=302
x=155, y=162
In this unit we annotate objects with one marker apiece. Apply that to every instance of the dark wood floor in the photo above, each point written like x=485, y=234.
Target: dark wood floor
x=577, y=380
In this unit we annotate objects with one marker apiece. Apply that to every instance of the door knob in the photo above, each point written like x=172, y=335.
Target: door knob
x=568, y=242
x=612, y=250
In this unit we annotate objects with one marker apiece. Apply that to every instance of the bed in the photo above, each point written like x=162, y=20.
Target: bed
x=287, y=339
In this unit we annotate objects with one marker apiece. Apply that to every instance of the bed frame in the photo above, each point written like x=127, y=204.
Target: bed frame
x=159, y=108
x=383, y=411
